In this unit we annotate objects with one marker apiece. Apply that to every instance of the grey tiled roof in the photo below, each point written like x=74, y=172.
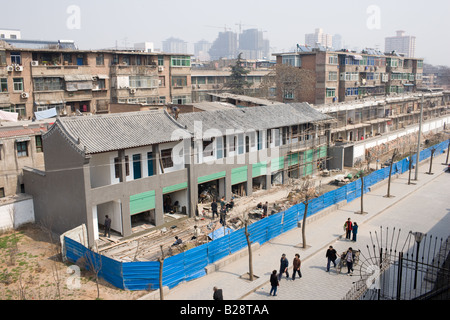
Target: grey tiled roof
x=253, y=118
x=103, y=133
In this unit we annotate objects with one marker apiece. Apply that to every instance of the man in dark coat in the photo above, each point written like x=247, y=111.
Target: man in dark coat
x=218, y=295
x=107, y=226
x=214, y=209
x=331, y=257
x=284, y=264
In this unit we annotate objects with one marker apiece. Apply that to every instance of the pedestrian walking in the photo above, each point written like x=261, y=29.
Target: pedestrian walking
x=348, y=228
x=218, y=294
x=223, y=216
x=214, y=209
x=274, y=282
x=296, y=264
x=107, y=226
x=354, y=231
x=349, y=257
x=284, y=264
x=265, y=208
x=331, y=257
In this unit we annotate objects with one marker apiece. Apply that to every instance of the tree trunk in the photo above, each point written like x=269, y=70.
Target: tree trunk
x=431, y=160
x=304, y=224
x=250, y=257
x=362, y=194
x=410, y=169
x=390, y=174
x=161, y=265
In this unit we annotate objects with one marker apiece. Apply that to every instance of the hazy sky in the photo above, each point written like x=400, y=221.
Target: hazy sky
x=363, y=24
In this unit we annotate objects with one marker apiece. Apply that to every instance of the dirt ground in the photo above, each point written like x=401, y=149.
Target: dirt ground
x=31, y=269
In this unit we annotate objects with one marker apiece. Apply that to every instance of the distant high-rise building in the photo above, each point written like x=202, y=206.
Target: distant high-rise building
x=174, y=45
x=319, y=39
x=338, y=43
x=402, y=44
x=201, y=50
x=253, y=45
x=225, y=46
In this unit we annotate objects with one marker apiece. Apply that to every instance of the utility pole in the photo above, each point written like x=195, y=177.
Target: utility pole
x=418, y=139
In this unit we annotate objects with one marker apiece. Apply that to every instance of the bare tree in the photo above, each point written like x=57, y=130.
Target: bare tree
x=93, y=261
x=364, y=169
x=245, y=220
x=161, y=267
x=390, y=173
x=307, y=192
x=433, y=151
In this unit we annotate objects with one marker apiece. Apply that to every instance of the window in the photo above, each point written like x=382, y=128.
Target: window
x=181, y=99
x=208, y=148
x=178, y=81
x=351, y=92
x=332, y=76
x=48, y=84
x=160, y=60
x=419, y=64
x=126, y=60
x=18, y=84
x=2, y=192
x=162, y=82
x=16, y=58
x=143, y=82
x=333, y=59
x=166, y=158
x=118, y=167
x=100, y=59
x=4, y=85
x=419, y=76
x=350, y=76
x=2, y=58
x=39, y=147
x=289, y=94
x=294, y=60
x=181, y=61
x=162, y=100
x=22, y=149
x=331, y=92
x=137, y=168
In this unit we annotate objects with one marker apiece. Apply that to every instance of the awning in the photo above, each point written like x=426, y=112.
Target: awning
x=357, y=57
x=46, y=114
x=23, y=139
x=78, y=77
x=79, y=85
x=102, y=76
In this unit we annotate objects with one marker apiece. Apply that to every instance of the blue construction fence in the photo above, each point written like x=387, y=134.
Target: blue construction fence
x=191, y=264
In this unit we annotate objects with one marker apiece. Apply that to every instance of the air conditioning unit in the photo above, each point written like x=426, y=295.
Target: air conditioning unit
x=160, y=68
x=132, y=91
x=19, y=68
x=10, y=68
x=34, y=63
x=24, y=95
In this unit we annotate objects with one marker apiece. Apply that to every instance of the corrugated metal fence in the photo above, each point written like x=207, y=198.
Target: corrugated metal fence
x=191, y=264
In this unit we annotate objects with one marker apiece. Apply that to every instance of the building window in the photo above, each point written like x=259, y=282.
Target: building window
x=4, y=85
x=100, y=59
x=332, y=76
x=2, y=192
x=333, y=60
x=118, y=167
x=294, y=60
x=181, y=61
x=162, y=100
x=39, y=147
x=289, y=94
x=179, y=81
x=331, y=92
x=48, y=84
x=351, y=92
x=22, y=149
x=143, y=82
x=166, y=158
x=126, y=60
x=420, y=64
x=18, y=84
x=162, y=82
x=16, y=58
x=160, y=60
x=181, y=99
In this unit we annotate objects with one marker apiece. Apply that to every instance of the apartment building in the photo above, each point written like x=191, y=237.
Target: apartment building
x=342, y=76
x=402, y=44
x=20, y=146
x=83, y=82
x=137, y=167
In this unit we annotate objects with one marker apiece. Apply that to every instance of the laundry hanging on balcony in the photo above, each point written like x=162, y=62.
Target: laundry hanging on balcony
x=46, y=114
x=9, y=116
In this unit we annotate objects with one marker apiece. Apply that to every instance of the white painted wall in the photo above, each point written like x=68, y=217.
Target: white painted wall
x=22, y=211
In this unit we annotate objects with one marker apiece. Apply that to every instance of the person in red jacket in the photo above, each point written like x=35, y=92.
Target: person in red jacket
x=348, y=228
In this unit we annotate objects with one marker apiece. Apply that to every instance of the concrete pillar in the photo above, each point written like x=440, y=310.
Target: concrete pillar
x=126, y=216
x=249, y=180
x=159, y=207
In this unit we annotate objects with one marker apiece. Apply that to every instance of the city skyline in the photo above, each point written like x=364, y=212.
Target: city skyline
x=101, y=24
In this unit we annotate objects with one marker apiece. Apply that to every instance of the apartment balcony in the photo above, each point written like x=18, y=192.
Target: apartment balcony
x=59, y=70
x=144, y=70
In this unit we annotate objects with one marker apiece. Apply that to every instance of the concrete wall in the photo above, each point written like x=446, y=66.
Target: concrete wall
x=16, y=213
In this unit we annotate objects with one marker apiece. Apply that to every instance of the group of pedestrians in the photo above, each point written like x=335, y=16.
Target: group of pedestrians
x=284, y=265
x=224, y=209
x=351, y=230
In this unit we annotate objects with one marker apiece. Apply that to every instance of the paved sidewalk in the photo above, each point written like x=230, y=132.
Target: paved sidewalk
x=321, y=233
